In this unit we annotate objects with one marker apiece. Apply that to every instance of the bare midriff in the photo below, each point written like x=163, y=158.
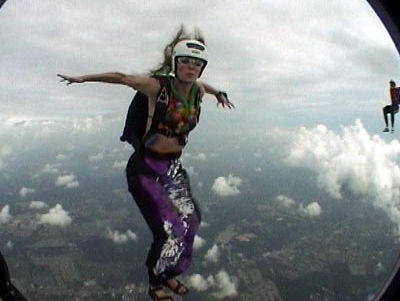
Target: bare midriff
x=165, y=145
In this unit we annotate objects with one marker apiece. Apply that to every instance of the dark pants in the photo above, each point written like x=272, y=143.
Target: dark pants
x=392, y=109
x=161, y=190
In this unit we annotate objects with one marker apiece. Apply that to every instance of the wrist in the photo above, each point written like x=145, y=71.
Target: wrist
x=221, y=93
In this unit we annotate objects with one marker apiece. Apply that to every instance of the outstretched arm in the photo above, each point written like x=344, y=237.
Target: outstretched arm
x=222, y=97
x=147, y=85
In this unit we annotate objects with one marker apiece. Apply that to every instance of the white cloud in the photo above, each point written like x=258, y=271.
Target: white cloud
x=379, y=268
x=223, y=284
x=257, y=155
x=61, y=157
x=285, y=201
x=226, y=186
x=68, y=181
x=90, y=124
x=5, y=151
x=119, y=164
x=50, y=168
x=24, y=191
x=311, y=210
x=96, y=157
x=363, y=165
x=204, y=225
x=200, y=157
x=56, y=216
x=258, y=169
x=190, y=170
x=120, y=238
x=5, y=215
x=9, y=245
x=212, y=254
x=198, y=242
x=226, y=286
x=199, y=283
x=38, y=205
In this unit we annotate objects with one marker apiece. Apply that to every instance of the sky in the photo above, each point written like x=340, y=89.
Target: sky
x=308, y=78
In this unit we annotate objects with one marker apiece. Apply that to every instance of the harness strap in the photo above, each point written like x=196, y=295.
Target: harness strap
x=160, y=108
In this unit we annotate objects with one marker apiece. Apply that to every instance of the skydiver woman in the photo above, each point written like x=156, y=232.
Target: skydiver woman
x=156, y=179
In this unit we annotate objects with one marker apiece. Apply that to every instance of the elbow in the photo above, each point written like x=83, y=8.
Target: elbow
x=119, y=78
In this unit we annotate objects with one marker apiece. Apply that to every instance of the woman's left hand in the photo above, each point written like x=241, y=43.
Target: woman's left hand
x=69, y=79
x=223, y=100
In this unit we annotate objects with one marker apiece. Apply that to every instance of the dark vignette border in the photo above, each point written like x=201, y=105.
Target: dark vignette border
x=2, y=2
x=389, y=13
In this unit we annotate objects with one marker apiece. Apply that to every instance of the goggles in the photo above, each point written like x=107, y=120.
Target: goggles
x=190, y=60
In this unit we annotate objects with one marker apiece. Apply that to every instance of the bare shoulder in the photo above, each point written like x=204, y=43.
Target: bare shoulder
x=145, y=84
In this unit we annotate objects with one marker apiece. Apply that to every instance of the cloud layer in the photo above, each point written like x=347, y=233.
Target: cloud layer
x=365, y=166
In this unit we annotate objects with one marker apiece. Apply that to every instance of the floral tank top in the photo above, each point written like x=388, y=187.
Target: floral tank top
x=181, y=115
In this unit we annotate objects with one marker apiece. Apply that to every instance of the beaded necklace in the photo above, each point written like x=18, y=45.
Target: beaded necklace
x=186, y=104
x=181, y=113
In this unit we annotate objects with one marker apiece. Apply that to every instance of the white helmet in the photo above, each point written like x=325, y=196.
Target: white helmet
x=189, y=48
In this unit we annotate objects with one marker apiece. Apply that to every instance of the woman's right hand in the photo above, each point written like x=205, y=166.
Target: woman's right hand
x=69, y=79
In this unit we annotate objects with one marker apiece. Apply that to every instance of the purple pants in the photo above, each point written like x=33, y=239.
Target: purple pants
x=161, y=190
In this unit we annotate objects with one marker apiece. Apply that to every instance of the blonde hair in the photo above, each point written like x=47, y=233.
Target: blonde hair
x=181, y=34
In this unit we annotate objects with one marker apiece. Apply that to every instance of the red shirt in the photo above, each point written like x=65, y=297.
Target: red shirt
x=394, y=95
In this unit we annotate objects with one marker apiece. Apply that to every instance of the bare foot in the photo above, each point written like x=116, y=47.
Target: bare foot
x=176, y=286
x=157, y=293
